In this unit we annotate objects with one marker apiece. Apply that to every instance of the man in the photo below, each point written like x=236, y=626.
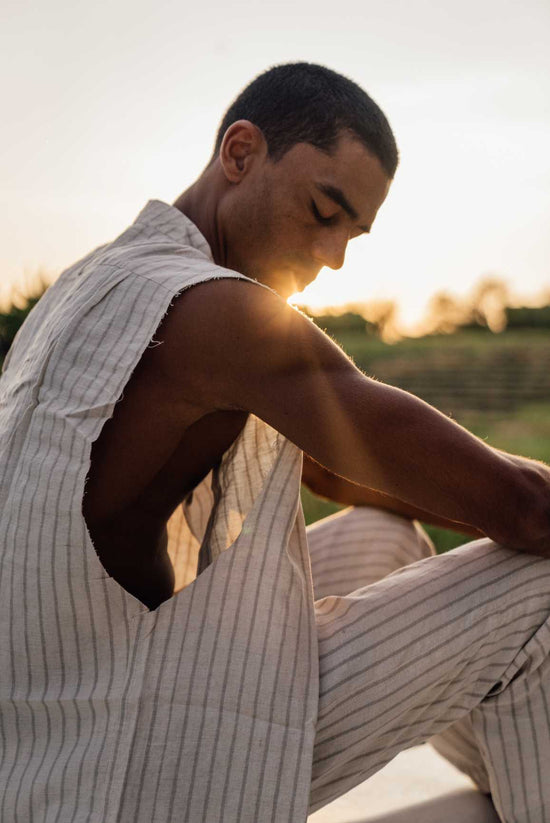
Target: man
x=164, y=657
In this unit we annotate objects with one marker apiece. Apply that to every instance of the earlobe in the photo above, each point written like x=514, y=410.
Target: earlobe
x=242, y=143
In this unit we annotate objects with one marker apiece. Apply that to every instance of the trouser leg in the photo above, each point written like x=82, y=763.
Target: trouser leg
x=360, y=545
x=460, y=746
x=460, y=635
x=511, y=730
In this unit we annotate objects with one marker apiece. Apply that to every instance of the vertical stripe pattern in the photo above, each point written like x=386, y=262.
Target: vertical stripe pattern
x=256, y=693
x=454, y=648
x=204, y=709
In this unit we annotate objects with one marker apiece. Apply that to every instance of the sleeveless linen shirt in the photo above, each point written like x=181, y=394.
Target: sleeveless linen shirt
x=204, y=709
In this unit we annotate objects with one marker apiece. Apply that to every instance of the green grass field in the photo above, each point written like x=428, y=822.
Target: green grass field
x=518, y=417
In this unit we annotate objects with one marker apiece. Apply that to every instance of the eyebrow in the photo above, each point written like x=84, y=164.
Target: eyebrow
x=338, y=196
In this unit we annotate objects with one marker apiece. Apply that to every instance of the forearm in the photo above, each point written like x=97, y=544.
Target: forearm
x=410, y=451
x=284, y=370
x=325, y=484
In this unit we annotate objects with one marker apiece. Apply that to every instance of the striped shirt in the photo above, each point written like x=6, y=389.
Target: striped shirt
x=204, y=709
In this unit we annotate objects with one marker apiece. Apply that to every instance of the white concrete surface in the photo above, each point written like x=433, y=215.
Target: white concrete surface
x=418, y=786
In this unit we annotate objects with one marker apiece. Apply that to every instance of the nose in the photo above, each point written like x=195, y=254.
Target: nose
x=329, y=249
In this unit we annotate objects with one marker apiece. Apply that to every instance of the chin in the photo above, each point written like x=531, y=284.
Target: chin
x=302, y=283
x=285, y=281
x=282, y=283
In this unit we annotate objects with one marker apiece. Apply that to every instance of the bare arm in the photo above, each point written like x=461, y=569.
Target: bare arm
x=325, y=484
x=233, y=345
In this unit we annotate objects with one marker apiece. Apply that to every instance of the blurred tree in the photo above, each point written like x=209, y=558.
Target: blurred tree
x=446, y=313
x=348, y=321
x=22, y=301
x=382, y=315
x=488, y=302
x=351, y=319
x=528, y=317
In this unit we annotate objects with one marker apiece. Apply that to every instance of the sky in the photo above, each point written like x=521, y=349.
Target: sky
x=110, y=104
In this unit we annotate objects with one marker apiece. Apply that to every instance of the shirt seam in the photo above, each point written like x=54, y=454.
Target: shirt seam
x=228, y=274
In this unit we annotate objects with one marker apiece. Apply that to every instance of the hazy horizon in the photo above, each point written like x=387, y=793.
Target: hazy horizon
x=106, y=107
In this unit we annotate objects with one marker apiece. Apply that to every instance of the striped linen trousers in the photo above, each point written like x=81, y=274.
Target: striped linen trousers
x=413, y=646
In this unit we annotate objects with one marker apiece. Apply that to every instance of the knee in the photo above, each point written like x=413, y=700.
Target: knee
x=408, y=537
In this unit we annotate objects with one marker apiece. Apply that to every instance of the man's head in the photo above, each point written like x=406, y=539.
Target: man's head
x=303, y=160
x=306, y=103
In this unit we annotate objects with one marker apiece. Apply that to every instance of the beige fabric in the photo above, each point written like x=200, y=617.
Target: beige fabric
x=414, y=645
x=204, y=709
x=239, y=700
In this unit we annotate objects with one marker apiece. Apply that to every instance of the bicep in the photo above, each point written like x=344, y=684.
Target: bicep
x=230, y=344
x=235, y=345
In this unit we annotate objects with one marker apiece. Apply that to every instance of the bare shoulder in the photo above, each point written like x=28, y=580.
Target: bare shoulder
x=221, y=340
x=222, y=305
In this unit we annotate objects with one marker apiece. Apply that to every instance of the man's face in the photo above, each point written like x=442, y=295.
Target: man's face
x=290, y=218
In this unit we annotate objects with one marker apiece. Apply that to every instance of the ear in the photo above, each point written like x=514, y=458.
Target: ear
x=243, y=143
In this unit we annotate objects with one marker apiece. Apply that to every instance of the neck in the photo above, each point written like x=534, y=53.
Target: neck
x=200, y=204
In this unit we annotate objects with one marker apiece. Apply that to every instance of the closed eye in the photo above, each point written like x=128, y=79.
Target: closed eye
x=324, y=221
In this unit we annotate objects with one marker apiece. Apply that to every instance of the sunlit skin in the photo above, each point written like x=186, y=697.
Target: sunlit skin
x=281, y=222
x=230, y=349
x=277, y=222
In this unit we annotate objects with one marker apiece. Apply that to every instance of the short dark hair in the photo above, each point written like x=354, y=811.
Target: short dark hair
x=307, y=103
